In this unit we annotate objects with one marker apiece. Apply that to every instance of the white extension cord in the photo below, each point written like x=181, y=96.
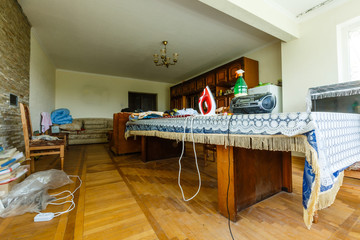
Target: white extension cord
x=43, y=217
x=196, y=162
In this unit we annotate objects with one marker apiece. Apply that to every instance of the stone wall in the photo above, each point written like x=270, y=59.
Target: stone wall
x=14, y=71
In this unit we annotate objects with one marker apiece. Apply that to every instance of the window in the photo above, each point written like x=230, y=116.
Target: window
x=143, y=101
x=348, y=36
x=13, y=100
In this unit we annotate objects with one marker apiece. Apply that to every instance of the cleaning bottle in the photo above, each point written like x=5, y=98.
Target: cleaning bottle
x=240, y=88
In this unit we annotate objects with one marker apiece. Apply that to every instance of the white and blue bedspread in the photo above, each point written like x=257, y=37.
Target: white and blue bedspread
x=330, y=141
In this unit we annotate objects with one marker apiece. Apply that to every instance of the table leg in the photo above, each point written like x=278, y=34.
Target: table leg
x=316, y=217
x=66, y=141
x=154, y=148
x=226, y=195
x=143, y=149
x=286, y=172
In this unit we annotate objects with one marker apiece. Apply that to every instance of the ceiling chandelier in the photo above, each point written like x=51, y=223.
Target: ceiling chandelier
x=165, y=60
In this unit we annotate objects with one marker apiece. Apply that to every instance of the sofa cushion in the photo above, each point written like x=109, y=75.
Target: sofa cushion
x=91, y=131
x=88, y=136
x=95, y=126
x=87, y=141
x=76, y=125
x=97, y=123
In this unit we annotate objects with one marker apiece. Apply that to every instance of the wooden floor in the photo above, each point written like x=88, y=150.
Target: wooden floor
x=123, y=198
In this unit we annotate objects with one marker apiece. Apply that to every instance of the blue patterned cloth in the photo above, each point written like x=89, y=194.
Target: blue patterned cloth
x=330, y=141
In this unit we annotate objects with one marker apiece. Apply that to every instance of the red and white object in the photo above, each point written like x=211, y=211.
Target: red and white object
x=208, y=100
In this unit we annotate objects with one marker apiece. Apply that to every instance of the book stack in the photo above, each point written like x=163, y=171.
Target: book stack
x=11, y=170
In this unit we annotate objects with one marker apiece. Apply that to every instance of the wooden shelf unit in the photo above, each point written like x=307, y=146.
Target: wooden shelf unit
x=186, y=94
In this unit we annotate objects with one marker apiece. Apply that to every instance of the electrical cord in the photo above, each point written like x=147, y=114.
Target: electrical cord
x=196, y=161
x=197, y=167
x=228, y=186
x=72, y=205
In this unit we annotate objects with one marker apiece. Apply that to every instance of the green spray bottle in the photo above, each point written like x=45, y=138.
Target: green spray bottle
x=240, y=88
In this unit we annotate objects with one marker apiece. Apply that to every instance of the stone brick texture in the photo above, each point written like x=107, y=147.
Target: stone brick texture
x=14, y=71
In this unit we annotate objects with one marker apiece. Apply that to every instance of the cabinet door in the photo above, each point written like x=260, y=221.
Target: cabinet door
x=178, y=104
x=200, y=84
x=221, y=102
x=192, y=86
x=186, y=88
x=221, y=76
x=229, y=98
x=210, y=79
x=177, y=90
x=172, y=91
x=172, y=103
x=232, y=71
x=251, y=75
x=189, y=101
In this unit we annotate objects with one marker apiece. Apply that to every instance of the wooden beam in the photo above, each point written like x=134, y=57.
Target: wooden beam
x=267, y=18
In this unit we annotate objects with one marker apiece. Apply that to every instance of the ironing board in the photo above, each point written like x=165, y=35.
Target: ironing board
x=330, y=141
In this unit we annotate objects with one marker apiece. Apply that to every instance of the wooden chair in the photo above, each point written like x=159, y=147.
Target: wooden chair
x=35, y=148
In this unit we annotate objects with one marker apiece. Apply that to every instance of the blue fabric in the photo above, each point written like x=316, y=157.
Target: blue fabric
x=61, y=116
x=308, y=180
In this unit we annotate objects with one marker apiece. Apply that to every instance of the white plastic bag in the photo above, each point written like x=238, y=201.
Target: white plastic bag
x=31, y=195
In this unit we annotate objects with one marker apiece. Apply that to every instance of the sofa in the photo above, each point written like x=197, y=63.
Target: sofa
x=87, y=130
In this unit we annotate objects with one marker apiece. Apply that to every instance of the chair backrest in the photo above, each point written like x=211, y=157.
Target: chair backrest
x=26, y=123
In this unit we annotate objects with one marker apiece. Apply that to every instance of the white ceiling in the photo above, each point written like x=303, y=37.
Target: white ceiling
x=119, y=37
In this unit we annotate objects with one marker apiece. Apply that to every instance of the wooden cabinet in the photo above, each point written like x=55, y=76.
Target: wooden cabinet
x=192, y=86
x=176, y=90
x=221, y=76
x=221, y=101
x=172, y=92
x=177, y=103
x=180, y=103
x=186, y=88
x=189, y=87
x=224, y=101
x=210, y=79
x=192, y=101
x=251, y=75
x=233, y=67
x=200, y=84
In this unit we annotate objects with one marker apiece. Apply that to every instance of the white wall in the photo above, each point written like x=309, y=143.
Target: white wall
x=42, y=83
x=311, y=60
x=94, y=95
x=269, y=59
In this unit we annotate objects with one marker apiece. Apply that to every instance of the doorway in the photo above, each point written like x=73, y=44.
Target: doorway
x=143, y=101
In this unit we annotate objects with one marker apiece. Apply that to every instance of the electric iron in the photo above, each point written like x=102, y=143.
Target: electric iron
x=208, y=100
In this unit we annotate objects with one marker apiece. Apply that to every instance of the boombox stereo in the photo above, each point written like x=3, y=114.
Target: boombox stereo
x=255, y=103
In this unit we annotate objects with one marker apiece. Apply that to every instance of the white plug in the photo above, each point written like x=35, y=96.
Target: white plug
x=43, y=217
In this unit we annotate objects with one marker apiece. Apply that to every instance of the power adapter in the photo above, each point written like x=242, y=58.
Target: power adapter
x=43, y=217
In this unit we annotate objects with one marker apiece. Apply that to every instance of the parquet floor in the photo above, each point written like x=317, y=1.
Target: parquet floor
x=123, y=198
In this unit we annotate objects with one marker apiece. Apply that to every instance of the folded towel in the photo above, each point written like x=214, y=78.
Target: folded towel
x=61, y=116
x=45, y=121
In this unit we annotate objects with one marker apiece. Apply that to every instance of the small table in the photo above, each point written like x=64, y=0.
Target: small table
x=62, y=135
